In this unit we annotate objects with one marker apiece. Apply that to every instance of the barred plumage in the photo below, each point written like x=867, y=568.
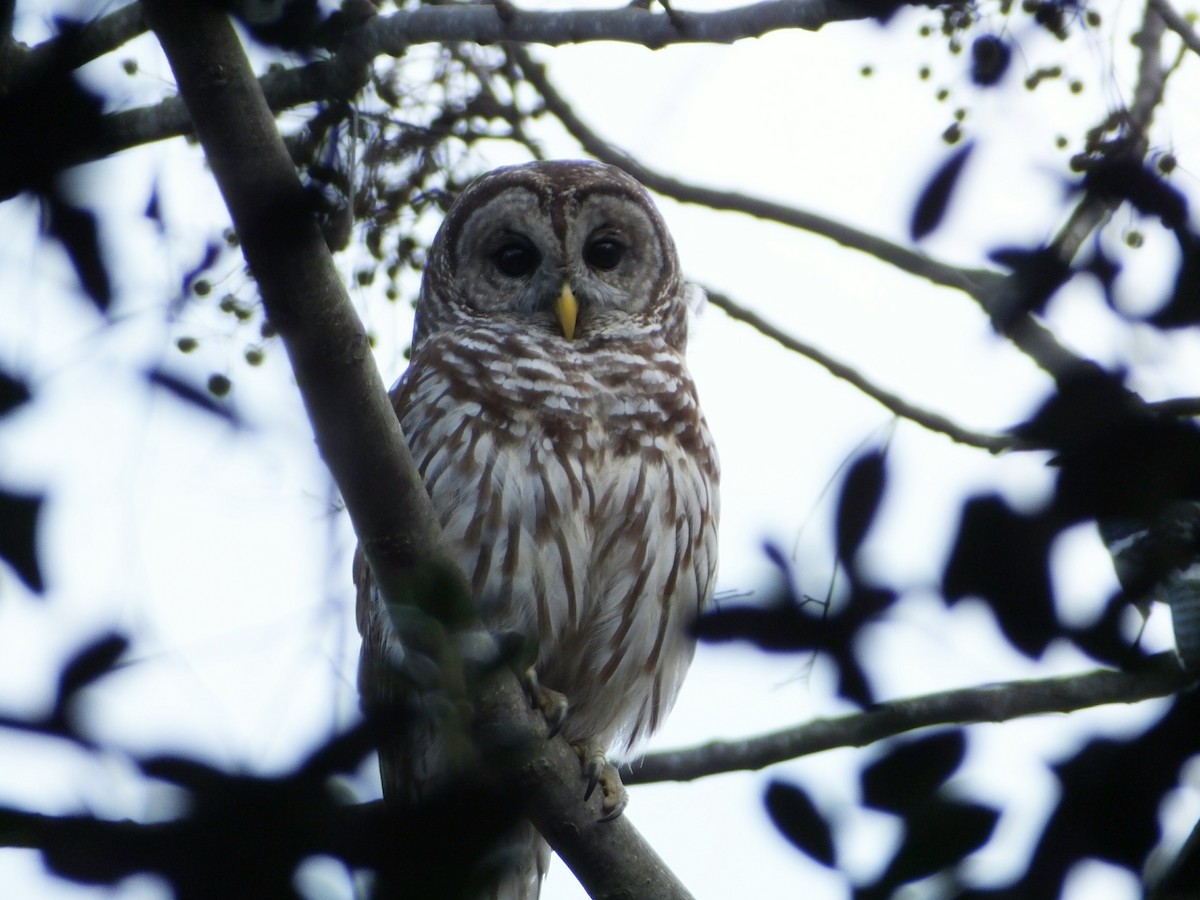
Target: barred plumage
x=558, y=432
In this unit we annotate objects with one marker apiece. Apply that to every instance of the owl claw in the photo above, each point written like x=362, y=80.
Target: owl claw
x=599, y=771
x=551, y=703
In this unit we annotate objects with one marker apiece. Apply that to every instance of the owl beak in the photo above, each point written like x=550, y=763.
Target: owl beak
x=566, y=307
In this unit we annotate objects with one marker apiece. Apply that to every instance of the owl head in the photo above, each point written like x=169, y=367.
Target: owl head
x=571, y=250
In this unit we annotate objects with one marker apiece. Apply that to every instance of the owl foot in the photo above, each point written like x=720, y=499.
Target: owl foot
x=553, y=705
x=599, y=771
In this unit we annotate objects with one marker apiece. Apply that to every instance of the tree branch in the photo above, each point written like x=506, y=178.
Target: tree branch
x=972, y=281
x=91, y=40
x=342, y=76
x=1177, y=24
x=393, y=34
x=992, y=703
x=1176, y=407
x=503, y=22
x=993, y=443
x=1029, y=335
x=356, y=430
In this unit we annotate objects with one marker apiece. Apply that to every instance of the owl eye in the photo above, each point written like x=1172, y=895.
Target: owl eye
x=516, y=259
x=604, y=253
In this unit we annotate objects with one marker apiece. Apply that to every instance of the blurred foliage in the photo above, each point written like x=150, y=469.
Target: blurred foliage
x=380, y=168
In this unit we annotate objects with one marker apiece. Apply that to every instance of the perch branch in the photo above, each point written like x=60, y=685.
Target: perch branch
x=990, y=703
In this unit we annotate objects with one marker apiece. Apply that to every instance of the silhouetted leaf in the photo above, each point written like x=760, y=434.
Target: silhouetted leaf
x=859, y=502
x=13, y=393
x=990, y=56
x=1086, y=405
x=341, y=755
x=1117, y=177
x=191, y=394
x=153, y=210
x=781, y=626
x=75, y=229
x=1104, y=269
x=299, y=26
x=18, y=537
x=853, y=684
x=1111, y=792
x=1035, y=276
x=43, y=112
x=911, y=771
x=939, y=835
x=1116, y=459
x=94, y=661
x=778, y=559
x=1183, y=307
x=1105, y=640
x=800, y=822
x=935, y=199
x=1003, y=556
x=790, y=624
x=211, y=251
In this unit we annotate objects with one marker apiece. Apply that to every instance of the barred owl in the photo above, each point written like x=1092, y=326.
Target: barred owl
x=552, y=417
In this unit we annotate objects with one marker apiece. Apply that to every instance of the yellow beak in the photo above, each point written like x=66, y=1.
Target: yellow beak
x=566, y=307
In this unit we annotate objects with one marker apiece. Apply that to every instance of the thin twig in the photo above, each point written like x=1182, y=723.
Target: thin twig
x=993, y=443
x=992, y=703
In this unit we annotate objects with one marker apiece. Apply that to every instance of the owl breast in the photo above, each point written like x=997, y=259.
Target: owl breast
x=577, y=484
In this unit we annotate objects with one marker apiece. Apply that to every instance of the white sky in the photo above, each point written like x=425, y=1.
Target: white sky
x=219, y=549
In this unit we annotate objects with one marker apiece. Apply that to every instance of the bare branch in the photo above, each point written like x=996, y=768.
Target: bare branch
x=993, y=443
x=1152, y=76
x=504, y=23
x=91, y=39
x=74, y=47
x=992, y=703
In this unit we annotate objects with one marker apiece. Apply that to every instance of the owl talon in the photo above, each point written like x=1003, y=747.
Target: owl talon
x=551, y=703
x=599, y=771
